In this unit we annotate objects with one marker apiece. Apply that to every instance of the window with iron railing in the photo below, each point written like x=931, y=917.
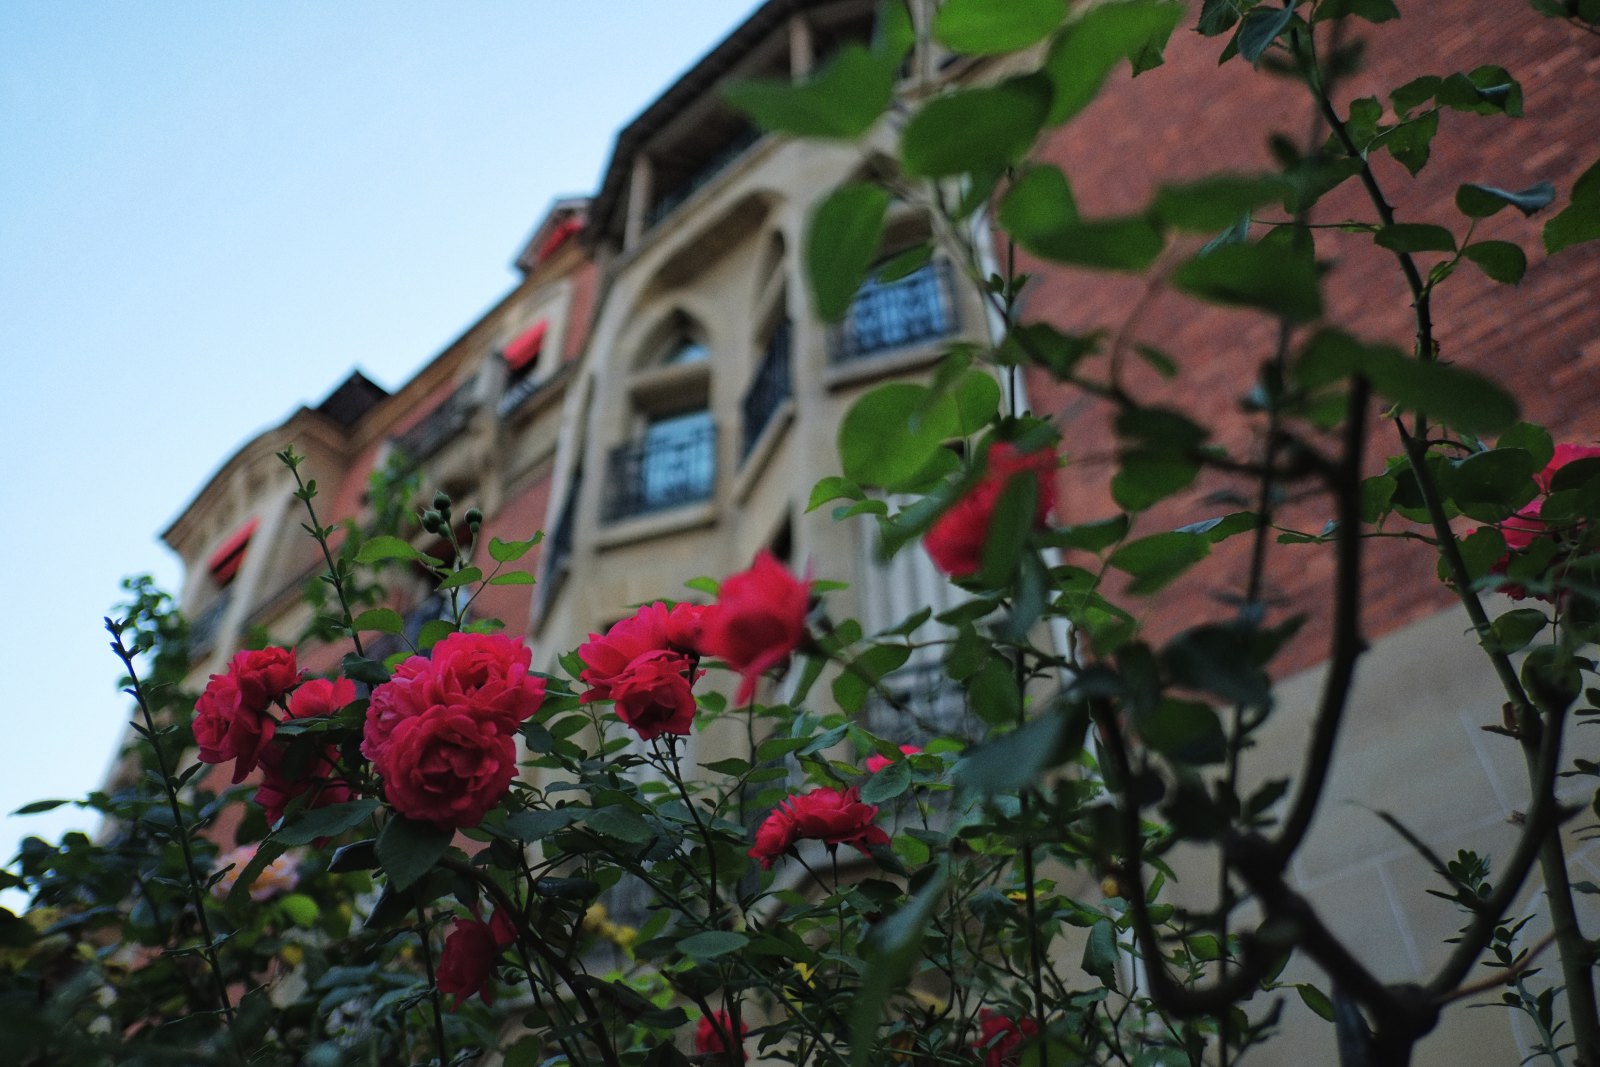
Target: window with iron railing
x=889, y=315
x=770, y=388
x=438, y=427
x=921, y=704
x=674, y=195
x=205, y=626
x=673, y=464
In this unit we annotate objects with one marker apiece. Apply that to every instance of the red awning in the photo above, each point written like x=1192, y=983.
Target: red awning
x=224, y=562
x=558, y=237
x=524, y=349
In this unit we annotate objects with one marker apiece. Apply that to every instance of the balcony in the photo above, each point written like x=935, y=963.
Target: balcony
x=770, y=388
x=437, y=428
x=204, y=628
x=527, y=387
x=933, y=706
x=559, y=548
x=888, y=315
x=675, y=464
x=674, y=195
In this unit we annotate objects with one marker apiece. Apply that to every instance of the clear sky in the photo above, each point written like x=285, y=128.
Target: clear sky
x=208, y=214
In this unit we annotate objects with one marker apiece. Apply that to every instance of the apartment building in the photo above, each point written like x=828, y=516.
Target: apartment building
x=657, y=394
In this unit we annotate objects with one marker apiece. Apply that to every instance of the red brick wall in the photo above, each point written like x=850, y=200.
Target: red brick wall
x=1192, y=117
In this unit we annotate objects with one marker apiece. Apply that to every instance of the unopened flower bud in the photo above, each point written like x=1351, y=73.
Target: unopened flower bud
x=474, y=518
x=441, y=502
x=432, y=522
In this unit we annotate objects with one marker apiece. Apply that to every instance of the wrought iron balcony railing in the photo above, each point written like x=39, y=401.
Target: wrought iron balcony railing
x=889, y=315
x=930, y=705
x=770, y=388
x=204, y=627
x=670, y=199
x=674, y=464
x=426, y=438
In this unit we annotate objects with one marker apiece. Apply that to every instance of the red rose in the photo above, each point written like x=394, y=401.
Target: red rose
x=447, y=766
x=405, y=695
x=686, y=628
x=489, y=671
x=759, y=618
x=835, y=817
x=710, y=1037
x=605, y=657
x=280, y=784
x=955, y=542
x=264, y=675
x=876, y=763
x=1564, y=454
x=466, y=963
x=1527, y=526
x=1000, y=1038
x=653, y=694
x=226, y=727
x=775, y=836
x=320, y=697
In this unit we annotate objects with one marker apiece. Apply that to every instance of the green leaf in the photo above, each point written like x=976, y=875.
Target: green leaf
x=1012, y=761
x=301, y=909
x=1217, y=17
x=1410, y=142
x=511, y=551
x=1315, y=999
x=1088, y=48
x=983, y=27
x=833, y=488
x=382, y=620
x=306, y=826
x=408, y=849
x=887, y=783
x=1185, y=731
x=1092, y=536
x=1156, y=560
x=1271, y=277
x=889, y=950
x=1480, y=201
x=464, y=576
x=1490, y=486
x=1487, y=90
x=841, y=101
x=38, y=806
x=1039, y=203
x=512, y=578
x=620, y=823
x=891, y=435
x=971, y=130
x=386, y=547
x=1462, y=398
x=850, y=688
x=433, y=631
x=1041, y=343
x=1129, y=243
x=711, y=944
x=1513, y=631
x=537, y=825
x=841, y=244
x=1146, y=477
x=1531, y=438
x=1415, y=237
x=1100, y=953
x=1217, y=202
x=1219, y=658
x=1261, y=27
x=1500, y=260
x=1580, y=220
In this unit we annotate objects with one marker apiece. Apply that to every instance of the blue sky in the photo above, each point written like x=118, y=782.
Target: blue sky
x=208, y=214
